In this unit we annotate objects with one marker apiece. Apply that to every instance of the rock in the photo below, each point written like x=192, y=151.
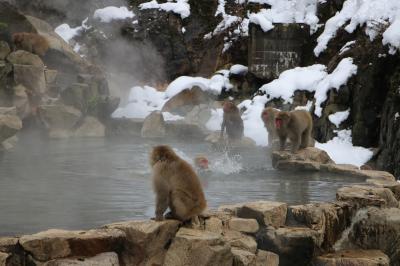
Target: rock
x=8, y=244
x=199, y=115
x=346, y=169
x=154, y=126
x=78, y=95
x=215, y=140
x=241, y=241
x=31, y=77
x=378, y=229
x=11, y=247
x=5, y=69
x=265, y=212
x=146, y=241
x=183, y=131
x=353, y=258
x=4, y=50
x=8, y=110
x=9, y=126
x=183, y=102
x=54, y=244
x=305, y=159
x=243, y=257
x=124, y=127
x=103, y=259
x=232, y=209
x=294, y=245
x=364, y=196
x=59, y=116
x=50, y=75
x=328, y=219
x=266, y=258
x=21, y=101
x=215, y=225
x=9, y=143
x=195, y=247
x=21, y=57
x=91, y=127
x=394, y=186
x=3, y=258
x=243, y=225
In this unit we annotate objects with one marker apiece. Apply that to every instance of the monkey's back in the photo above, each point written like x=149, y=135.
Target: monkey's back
x=301, y=120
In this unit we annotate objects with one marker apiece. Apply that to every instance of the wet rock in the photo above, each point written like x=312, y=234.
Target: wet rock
x=244, y=225
x=294, y=245
x=243, y=257
x=239, y=240
x=354, y=258
x=9, y=143
x=394, y=186
x=4, y=50
x=77, y=95
x=21, y=57
x=59, y=116
x=266, y=258
x=183, y=131
x=364, y=196
x=199, y=115
x=183, y=102
x=31, y=77
x=328, y=219
x=146, y=241
x=346, y=169
x=378, y=229
x=309, y=158
x=9, y=126
x=195, y=247
x=265, y=212
x=8, y=111
x=90, y=127
x=54, y=244
x=154, y=126
x=124, y=127
x=232, y=208
x=103, y=259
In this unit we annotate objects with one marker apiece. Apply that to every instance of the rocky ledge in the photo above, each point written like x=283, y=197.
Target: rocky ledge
x=360, y=228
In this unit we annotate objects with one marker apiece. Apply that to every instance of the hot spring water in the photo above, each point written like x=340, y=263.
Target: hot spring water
x=86, y=183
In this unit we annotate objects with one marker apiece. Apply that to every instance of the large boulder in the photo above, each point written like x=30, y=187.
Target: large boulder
x=90, y=127
x=31, y=77
x=353, y=258
x=4, y=50
x=21, y=57
x=54, y=244
x=364, y=196
x=153, y=126
x=183, y=102
x=59, y=119
x=268, y=213
x=21, y=101
x=243, y=225
x=146, y=242
x=195, y=247
x=378, y=229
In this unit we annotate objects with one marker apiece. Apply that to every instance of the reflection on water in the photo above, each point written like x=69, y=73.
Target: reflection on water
x=81, y=184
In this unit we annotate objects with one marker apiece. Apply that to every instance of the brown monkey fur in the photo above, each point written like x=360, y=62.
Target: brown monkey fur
x=268, y=117
x=297, y=126
x=31, y=42
x=176, y=185
x=232, y=121
x=201, y=162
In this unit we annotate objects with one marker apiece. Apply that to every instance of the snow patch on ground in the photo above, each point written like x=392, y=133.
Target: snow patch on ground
x=67, y=33
x=342, y=151
x=375, y=15
x=239, y=69
x=111, y=13
x=338, y=117
x=180, y=7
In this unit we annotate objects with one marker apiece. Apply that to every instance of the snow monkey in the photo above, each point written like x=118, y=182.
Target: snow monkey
x=268, y=117
x=201, y=162
x=297, y=126
x=231, y=121
x=176, y=186
x=31, y=42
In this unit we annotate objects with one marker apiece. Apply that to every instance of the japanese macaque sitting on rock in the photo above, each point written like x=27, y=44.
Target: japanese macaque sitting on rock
x=176, y=185
x=31, y=42
x=296, y=125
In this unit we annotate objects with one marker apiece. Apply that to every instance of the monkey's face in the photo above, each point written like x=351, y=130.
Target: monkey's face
x=161, y=153
x=201, y=162
x=266, y=116
x=282, y=119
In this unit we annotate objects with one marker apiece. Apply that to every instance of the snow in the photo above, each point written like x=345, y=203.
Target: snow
x=346, y=47
x=111, y=13
x=396, y=116
x=215, y=121
x=180, y=7
x=288, y=11
x=299, y=78
x=342, y=151
x=66, y=32
x=306, y=107
x=239, y=69
x=336, y=79
x=338, y=117
x=214, y=85
x=375, y=15
x=253, y=125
